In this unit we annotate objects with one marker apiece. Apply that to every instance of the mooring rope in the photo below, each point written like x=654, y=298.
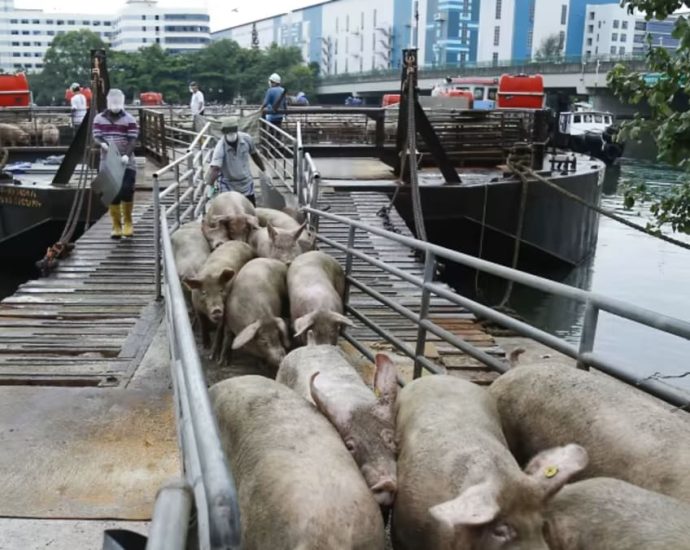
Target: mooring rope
x=523, y=171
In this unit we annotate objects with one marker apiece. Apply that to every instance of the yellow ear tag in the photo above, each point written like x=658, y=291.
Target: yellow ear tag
x=550, y=471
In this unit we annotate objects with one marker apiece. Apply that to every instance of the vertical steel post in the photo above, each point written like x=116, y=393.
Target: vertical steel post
x=177, y=193
x=589, y=332
x=348, y=263
x=157, y=236
x=429, y=269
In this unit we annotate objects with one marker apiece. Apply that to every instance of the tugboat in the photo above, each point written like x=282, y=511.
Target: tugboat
x=590, y=132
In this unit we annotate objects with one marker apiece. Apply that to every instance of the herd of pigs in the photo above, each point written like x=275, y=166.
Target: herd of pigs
x=29, y=133
x=323, y=461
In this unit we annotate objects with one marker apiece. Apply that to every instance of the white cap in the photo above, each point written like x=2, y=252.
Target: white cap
x=275, y=77
x=115, y=99
x=74, y=86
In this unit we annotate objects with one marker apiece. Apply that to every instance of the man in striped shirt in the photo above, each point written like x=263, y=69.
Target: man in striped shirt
x=115, y=127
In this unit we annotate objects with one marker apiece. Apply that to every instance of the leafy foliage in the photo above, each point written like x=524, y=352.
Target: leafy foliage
x=223, y=70
x=666, y=91
x=551, y=48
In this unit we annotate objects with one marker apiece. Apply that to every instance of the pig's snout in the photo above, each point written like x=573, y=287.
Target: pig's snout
x=216, y=314
x=384, y=492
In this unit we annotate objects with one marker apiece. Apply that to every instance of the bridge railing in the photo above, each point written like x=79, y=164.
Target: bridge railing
x=205, y=467
x=556, y=65
x=585, y=353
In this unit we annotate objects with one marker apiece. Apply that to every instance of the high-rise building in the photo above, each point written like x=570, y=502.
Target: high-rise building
x=25, y=35
x=352, y=36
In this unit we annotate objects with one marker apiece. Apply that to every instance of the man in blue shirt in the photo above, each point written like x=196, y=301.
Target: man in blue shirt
x=274, y=100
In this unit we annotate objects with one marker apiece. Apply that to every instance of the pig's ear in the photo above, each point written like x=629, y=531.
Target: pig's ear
x=191, y=283
x=299, y=230
x=385, y=380
x=476, y=506
x=253, y=222
x=284, y=334
x=303, y=323
x=246, y=335
x=552, y=469
x=337, y=414
x=226, y=276
x=271, y=231
x=339, y=318
x=311, y=338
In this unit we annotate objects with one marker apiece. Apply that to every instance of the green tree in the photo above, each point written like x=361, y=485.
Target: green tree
x=551, y=48
x=665, y=91
x=67, y=60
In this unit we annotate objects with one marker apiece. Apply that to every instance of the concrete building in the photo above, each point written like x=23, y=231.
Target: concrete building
x=25, y=35
x=352, y=36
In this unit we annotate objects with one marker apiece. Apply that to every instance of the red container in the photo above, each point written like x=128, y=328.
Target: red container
x=390, y=99
x=521, y=92
x=14, y=90
x=87, y=94
x=151, y=98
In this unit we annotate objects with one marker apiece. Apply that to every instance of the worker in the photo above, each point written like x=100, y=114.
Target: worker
x=231, y=160
x=274, y=101
x=301, y=99
x=115, y=127
x=196, y=104
x=78, y=104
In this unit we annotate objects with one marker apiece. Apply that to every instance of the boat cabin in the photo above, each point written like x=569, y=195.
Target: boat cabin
x=580, y=122
x=484, y=90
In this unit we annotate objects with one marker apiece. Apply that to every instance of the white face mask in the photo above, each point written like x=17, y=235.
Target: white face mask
x=115, y=104
x=231, y=137
x=191, y=90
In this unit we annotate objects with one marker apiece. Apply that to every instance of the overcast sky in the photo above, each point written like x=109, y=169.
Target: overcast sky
x=221, y=11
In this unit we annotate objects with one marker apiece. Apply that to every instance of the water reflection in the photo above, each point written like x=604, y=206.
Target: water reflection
x=630, y=266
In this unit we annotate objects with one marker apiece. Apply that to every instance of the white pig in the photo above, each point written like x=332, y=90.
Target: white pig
x=459, y=486
x=316, y=283
x=229, y=216
x=298, y=487
x=365, y=421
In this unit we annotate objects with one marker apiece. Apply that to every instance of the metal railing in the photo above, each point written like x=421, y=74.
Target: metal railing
x=585, y=354
x=205, y=466
x=282, y=152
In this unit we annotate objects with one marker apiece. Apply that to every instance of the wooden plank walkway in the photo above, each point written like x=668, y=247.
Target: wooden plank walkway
x=364, y=206
x=89, y=322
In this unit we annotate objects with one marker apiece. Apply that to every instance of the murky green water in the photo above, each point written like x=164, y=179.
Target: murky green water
x=633, y=267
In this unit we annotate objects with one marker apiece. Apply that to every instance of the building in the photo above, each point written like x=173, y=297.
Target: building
x=25, y=35
x=352, y=36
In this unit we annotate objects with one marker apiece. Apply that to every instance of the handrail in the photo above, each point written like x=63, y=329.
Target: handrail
x=584, y=354
x=205, y=466
x=198, y=137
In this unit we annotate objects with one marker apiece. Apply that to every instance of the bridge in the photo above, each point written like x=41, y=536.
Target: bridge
x=86, y=355
x=574, y=75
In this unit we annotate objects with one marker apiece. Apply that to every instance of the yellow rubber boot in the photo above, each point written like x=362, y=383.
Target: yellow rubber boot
x=115, y=210
x=128, y=229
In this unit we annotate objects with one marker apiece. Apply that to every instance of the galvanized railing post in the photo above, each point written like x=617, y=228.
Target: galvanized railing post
x=429, y=269
x=589, y=332
x=348, y=263
x=157, y=236
x=177, y=193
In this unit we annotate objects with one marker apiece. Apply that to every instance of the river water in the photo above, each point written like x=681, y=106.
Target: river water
x=627, y=265
x=630, y=266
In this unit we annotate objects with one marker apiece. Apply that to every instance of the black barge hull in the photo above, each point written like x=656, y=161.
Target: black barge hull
x=557, y=230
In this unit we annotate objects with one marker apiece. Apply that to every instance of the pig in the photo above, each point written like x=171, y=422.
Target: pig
x=297, y=486
x=365, y=421
x=50, y=135
x=253, y=312
x=191, y=250
x=210, y=285
x=34, y=129
x=278, y=219
x=628, y=434
x=316, y=284
x=12, y=135
x=610, y=514
x=280, y=244
x=459, y=486
x=296, y=214
x=229, y=216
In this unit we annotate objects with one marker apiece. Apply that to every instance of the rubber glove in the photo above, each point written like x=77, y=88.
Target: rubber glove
x=104, y=146
x=125, y=159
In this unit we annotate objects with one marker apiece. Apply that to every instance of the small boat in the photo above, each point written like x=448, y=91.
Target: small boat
x=584, y=130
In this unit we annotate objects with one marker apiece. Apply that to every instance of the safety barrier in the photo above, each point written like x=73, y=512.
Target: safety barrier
x=205, y=467
x=584, y=353
x=281, y=150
